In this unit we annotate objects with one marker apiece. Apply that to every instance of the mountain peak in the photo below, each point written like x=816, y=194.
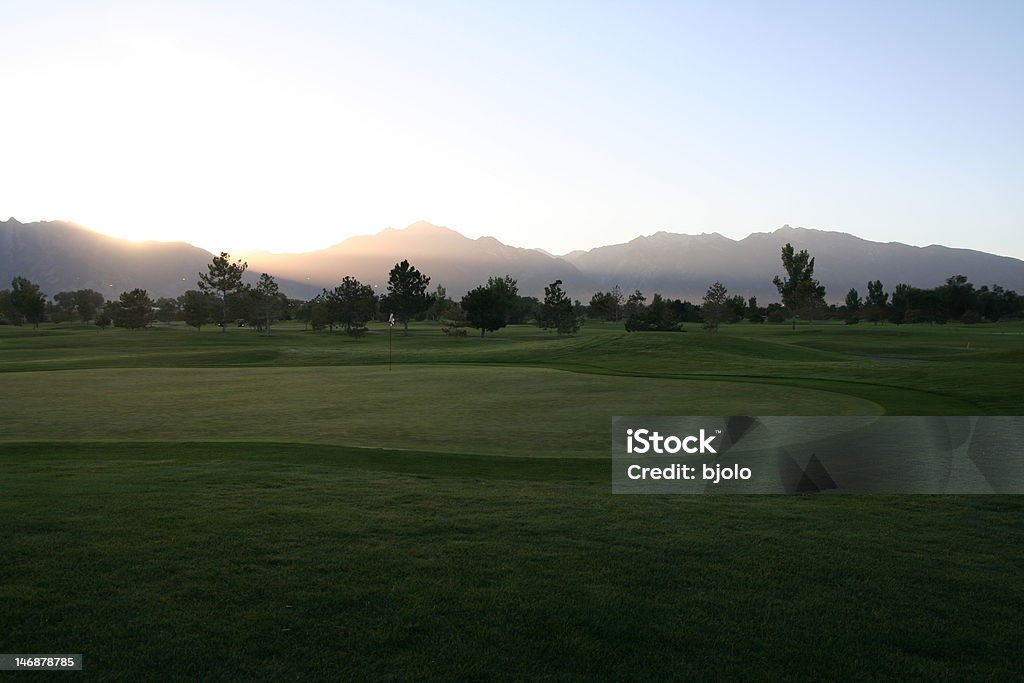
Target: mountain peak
x=426, y=227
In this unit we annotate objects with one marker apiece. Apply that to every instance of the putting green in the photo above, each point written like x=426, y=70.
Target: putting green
x=452, y=409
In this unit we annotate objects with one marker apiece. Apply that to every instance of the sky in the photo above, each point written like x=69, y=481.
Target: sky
x=290, y=126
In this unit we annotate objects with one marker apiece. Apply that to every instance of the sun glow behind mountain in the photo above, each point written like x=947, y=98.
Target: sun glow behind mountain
x=171, y=141
x=290, y=126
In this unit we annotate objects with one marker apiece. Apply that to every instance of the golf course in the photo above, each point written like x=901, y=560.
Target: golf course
x=210, y=505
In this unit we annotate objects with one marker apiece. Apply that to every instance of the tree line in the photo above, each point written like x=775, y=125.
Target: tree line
x=222, y=298
x=802, y=296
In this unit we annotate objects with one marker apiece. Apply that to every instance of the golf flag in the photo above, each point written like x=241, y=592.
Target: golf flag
x=391, y=319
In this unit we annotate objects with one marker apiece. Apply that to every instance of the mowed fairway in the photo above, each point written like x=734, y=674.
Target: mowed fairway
x=212, y=506
x=461, y=409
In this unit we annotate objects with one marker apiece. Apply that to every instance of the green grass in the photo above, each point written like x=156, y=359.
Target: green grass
x=221, y=506
x=454, y=408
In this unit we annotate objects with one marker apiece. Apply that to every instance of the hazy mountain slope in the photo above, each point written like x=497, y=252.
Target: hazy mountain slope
x=64, y=256
x=61, y=255
x=448, y=257
x=684, y=265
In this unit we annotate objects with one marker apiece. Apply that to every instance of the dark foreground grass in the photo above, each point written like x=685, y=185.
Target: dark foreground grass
x=267, y=561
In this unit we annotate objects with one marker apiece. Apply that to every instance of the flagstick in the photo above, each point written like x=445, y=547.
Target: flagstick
x=391, y=329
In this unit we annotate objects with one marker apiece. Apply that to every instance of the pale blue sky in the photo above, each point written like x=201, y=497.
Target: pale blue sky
x=292, y=125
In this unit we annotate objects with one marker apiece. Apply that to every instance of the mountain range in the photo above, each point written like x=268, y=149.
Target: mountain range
x=61, y=255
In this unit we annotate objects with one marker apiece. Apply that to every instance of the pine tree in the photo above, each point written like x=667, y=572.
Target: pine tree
x=134, y=309
x=800, y=292
x=267, y=294
x=713, y=307
x=407, y=292
x=223, y=279
x=853, y=306
x=556, y=312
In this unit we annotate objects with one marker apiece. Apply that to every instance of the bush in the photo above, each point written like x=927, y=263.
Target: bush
x=453, y=327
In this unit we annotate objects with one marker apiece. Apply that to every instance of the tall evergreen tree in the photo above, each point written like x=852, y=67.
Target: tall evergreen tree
x=407, y=293
x=351, y=304
x=754, y=313
x=635, y=303
x=556, y=311
x=713, y=307
x=853, y=306
x=223, y=279
x=134, y=309
x=268, y=298
x=801, y=294
x=900, y=309
x=876, y=302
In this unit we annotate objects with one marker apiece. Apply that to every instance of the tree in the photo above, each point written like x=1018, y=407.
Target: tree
x=134, y=309
x=81, y=303
x=223, y=279
x=900, y=309
x=635, y=303
x=407, y=293
x=603, y=306
x=753, y=312
x=103, y=321
x=853, y=306
x=556, y=312
x=304, y=313
x=660, y=316
x=713, y=308
x=508, y=290
x=800, y=292
x=810, y=298
x=87, y=301
x=7, y=312
x=876, y=301
x=735, y=306
x=319, y=313
x=487, y=306
x=957, y=295
x=27, y=300
x=167, y=309
x=268, y=299
x=63, y=307
x=523, y=309
x=454, y=323
x=440, y=303
x=618, y=299
x=351, y=304
x=197, y=308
